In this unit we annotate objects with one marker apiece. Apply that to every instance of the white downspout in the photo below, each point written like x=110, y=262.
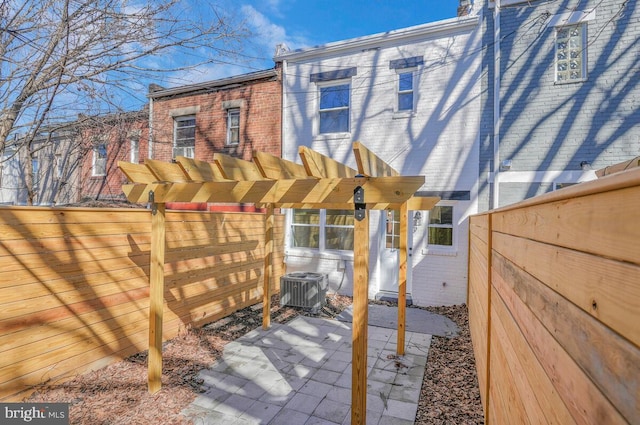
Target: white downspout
x=283, y=126
x=496, y=104
x=150, y=135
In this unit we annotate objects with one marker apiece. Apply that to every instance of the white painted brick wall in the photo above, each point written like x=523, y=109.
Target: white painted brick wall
x=440, y=141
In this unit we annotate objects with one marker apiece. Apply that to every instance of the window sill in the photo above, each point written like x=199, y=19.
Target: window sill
x=440, y=252
x=323, y=255
x=562, y=83
x=400, y=115
x=332, y=136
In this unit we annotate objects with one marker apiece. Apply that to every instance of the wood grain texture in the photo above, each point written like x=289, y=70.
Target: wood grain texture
x=402, y=280
x=563, y=306
x=541, y=401
x=360, y=321
x=584, y=400
x=610, y=361
x=606, y=289
x=72, y=302
x=604, y=224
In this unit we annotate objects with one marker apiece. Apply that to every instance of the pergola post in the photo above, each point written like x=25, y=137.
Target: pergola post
x=402, y=279
x=268, y=266
x=360, y=318
x=156, y=296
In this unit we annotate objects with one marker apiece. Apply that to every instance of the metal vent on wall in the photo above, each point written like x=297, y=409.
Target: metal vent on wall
x=304, y=289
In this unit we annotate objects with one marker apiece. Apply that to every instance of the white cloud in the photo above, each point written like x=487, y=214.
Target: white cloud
x=268, y=33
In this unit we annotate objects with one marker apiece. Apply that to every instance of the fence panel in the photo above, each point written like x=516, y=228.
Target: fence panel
x=561, y=318
x=74, y=284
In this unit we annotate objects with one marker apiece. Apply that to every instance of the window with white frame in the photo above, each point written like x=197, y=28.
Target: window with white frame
x=134, y=149
x=334, y=108
x=571, y=53
x=59, y=166
x=233, y=126
x=392, y=229
x=184, y=136
x=99, y=166
x=405, y=91
x=322, y=229
x=35, y=167
x=441, y=226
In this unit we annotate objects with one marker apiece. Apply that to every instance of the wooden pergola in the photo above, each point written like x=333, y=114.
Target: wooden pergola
x=272, y=182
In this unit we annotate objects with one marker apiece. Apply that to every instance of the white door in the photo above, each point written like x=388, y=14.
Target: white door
x=390, y=250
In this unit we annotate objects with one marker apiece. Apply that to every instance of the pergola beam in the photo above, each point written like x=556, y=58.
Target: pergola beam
x=322, y=166
x=331, y=190
x=138, y=173
x=276, y=168
x=369, y=164
x=167, y=171
x=237, y=169
x=200, y=171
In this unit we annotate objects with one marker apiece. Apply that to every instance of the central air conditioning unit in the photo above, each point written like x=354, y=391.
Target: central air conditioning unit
x=304, y=289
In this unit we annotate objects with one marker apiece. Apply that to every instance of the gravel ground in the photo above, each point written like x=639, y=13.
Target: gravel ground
x=117, y=394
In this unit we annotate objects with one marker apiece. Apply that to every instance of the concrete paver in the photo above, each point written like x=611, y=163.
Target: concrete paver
x=300, y=373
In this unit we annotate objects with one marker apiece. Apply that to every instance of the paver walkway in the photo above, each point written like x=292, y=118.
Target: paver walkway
x=299, y=373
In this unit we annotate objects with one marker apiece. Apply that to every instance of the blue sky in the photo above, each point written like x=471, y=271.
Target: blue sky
x=306, y=23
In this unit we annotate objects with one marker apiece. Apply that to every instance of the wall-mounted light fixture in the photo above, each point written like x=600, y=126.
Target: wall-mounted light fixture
x=505, y=165
x=417, y=220
x=585, y=165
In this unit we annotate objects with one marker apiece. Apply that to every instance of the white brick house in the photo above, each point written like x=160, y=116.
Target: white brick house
x=412, y=96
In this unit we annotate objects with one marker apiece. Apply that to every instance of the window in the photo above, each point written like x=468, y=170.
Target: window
x=571, y=53
x=322, y=229
x=405, y=91
x=184, y=136
x=35, y=166
x=233, y=126
x=441, y=226
x=338, y=230
x=305, y=228
x=392, y=230
x=334, y=109
x=99, y=160
x=134, y=149
x=59, y=166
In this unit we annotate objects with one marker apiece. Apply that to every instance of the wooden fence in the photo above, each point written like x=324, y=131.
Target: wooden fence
x=74, y=284
x=554, y=305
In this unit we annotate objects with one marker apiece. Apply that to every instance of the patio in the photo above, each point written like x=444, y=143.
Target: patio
x=300, y=373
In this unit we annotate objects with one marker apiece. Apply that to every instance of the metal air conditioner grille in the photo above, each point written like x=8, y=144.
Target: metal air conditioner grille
x=303, y=289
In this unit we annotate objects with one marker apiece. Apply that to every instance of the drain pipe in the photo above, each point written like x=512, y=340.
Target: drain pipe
x=496, y=104
x=150, y=135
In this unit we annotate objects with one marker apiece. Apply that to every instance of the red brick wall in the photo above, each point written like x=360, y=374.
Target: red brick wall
x=117, y=137
x=260, y=121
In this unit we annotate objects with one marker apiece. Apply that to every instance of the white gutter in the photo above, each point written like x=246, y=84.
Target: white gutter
x=496, y=104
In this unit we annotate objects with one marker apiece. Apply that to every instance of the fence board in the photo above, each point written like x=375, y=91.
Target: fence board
x=585, y=401
x=595, y=224
x=610, y=362
x=512, y=404
x=542, y=401
x=606, y=289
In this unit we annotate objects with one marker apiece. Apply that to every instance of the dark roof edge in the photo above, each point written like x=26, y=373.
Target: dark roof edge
x=214, y=84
